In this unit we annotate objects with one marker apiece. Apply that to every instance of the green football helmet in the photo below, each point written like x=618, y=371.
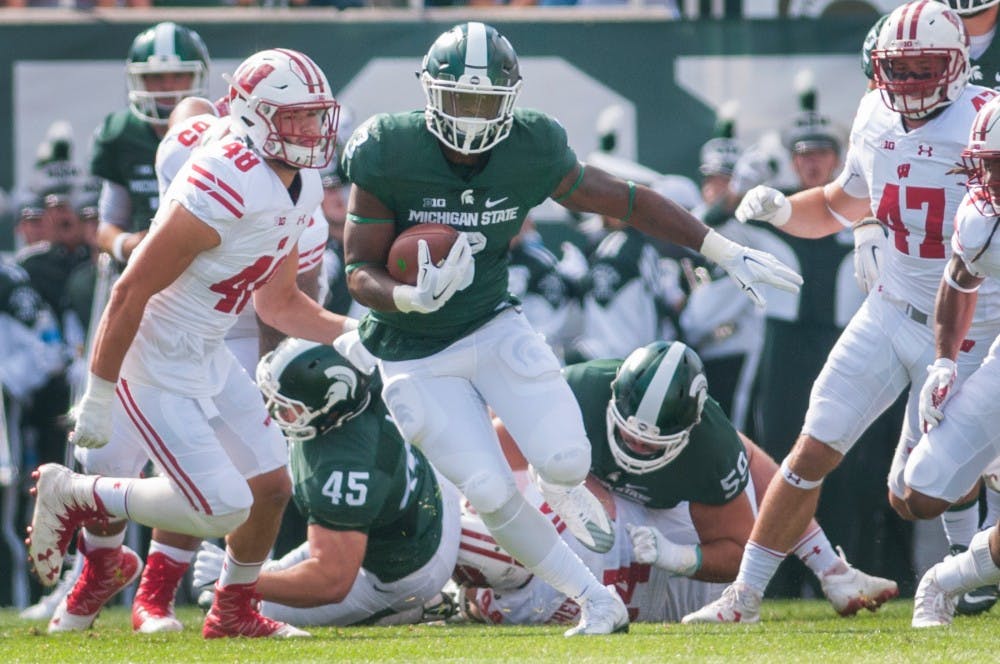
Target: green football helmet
x=310, y=388
x=165, y=48
x=471, y=80
x=656, y=399
x=970, y=7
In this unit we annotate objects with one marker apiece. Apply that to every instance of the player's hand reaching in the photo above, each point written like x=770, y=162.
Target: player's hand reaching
x=652, y=547
x=936, y=390
x=750, y=268
x=763, y=203
x=207, y=566
x=869, y=245
x=92, y=415
x=435, y=285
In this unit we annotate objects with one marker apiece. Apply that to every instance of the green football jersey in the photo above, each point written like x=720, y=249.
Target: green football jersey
x=124, y=152
x=362, y=476
x=395, y=158
x=711, y=470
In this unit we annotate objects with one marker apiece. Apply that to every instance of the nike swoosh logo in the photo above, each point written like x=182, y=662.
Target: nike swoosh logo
x=970, y=598
x=491, y=203
x=379, y=590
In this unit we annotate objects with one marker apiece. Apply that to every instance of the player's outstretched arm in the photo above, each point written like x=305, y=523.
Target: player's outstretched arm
x=589, y=189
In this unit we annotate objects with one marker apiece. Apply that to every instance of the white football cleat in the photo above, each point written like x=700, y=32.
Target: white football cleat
x=933, y=606
x=739, y=603
x=582, y=513
x=64, y=500
x=853, y=590
x=605, y=614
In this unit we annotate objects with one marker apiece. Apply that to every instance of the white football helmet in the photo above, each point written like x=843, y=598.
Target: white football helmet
x=482, y=563
x=274, y=81
x=921, y=58
x=982, y=152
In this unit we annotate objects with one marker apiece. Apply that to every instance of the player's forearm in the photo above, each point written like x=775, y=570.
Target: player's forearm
x=664, y=219
x=952, y=319
x=372, y=287
x=297, y=315
x=720, y=560
x=117, y=330
x=308, y=584
x=811, y=215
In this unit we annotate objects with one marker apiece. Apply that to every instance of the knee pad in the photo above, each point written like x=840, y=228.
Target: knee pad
x=567, y=467
x=489, y=492
x=218, y=525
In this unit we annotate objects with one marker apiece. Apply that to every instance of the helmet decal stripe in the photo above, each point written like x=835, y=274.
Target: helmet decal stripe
x=915, y=18
x=308, y=68
x=652, y=400
x=164, y=43
x=476, y=47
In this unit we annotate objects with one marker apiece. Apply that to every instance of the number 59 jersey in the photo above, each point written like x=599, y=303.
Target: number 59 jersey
x=231, y=189
x=914, y=190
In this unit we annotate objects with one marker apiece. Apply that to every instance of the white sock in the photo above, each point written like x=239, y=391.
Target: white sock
x=758, y=566
x=94, y=541
x=178, y=555
x=961, y=523
x=563, y=570
x=815, y=550
x=113, y=492
x=969, y=569
x=234, y=572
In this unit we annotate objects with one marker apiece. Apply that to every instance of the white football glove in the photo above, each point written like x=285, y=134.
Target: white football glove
x=651, y=547
x=207, y=565
x=750, y=268
x=869, y=243
x=763, y=203
x=936, y=390
x=92, y=415
x=435, y=285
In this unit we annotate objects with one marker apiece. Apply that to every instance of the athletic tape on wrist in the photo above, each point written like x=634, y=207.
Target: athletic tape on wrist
x=795, y=480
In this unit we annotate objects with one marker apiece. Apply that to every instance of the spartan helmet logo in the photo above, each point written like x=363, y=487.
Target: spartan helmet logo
x=343, y=386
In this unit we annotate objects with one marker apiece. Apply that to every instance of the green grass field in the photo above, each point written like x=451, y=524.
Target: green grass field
x=792, y=631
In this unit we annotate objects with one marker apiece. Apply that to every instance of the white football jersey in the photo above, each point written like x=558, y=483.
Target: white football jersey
x=906, y=176
x=173, y=152
x=976, y=241
x=231, y=189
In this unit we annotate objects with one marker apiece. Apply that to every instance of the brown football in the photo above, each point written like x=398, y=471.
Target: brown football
x=402, y=263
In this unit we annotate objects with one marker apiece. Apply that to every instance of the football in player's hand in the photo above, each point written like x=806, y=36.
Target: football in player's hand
x=402, y=263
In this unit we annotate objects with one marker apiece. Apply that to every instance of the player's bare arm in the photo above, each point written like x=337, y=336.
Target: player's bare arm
x=815, y=211
x=325, y=577
x=954, y=308
x=157, y=263
x=366, y=248
x=723, y=530
x=648, y=211
x=308, y=283
x=282, y=305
